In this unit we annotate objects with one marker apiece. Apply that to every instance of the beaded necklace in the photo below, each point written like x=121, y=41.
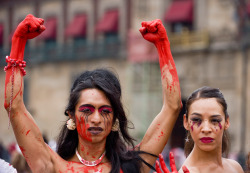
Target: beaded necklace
x=90, y=163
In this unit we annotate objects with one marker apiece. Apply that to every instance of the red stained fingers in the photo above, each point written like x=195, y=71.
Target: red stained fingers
x=30, y=27
x=143, y=30
x=157, y=167
x=185, y=170
x=163, y=165
x=172, y=162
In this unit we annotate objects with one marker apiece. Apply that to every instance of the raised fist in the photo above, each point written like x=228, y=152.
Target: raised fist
x=153, y=31
x=29, y=28
x=172, y=165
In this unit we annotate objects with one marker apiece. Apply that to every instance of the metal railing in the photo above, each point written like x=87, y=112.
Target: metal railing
x=78, y=50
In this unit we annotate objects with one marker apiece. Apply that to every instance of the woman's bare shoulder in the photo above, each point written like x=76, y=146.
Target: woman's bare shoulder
x=233, y=165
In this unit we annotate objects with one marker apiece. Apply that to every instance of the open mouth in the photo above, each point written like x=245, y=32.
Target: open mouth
x=207, y=140
x=95, y=130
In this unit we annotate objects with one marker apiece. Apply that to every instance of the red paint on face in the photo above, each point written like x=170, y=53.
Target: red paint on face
x=220, y=125
x=199, y=123
x=84, y=108
x=192, y=126
x=82, y=129
x=105, y=108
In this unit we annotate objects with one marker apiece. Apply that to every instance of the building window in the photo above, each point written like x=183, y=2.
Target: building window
x=180, y=15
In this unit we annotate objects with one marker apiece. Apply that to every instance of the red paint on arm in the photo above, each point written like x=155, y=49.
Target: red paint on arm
x=27, y=132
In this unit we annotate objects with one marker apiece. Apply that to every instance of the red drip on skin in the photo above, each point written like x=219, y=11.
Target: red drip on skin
x=8, y=81
x=27, y=132
x=220, y=125
x=81, y=147
x=82, y=129
x=33, y=123
x=192, y=126
x=23, y=151
x=198, y=124
x=160, y=135
x=20, y=89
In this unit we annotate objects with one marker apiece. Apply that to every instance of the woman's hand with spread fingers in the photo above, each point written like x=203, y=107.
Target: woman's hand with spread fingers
x=162, y=168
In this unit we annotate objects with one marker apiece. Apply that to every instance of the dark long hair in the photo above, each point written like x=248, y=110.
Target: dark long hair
x=207, y=92
x=117, y=142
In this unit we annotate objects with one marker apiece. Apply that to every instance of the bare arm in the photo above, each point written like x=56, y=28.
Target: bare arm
x=27, y=133
x=160, y=129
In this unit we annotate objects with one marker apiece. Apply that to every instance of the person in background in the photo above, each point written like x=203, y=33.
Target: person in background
x=5, y=167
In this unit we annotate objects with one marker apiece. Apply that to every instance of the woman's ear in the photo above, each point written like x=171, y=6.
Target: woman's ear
x=71, y=116
x=227, y=123
x=185, y=122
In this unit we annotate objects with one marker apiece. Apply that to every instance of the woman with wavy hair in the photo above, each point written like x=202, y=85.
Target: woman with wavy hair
x=95, y=137
x=206, y=121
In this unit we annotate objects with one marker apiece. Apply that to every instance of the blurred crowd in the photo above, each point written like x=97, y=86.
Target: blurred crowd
x=13, y=155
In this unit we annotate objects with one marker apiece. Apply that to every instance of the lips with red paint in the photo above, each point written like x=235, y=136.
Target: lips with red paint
x=95, y=130
x=207, y=140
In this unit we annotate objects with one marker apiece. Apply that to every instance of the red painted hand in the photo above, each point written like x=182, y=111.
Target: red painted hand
x=172, y=165
x=153, y=31
x=29, y=28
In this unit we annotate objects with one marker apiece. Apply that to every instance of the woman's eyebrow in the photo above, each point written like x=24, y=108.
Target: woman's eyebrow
x=215, y=116
x=86, y=105
x=195, y=113
x=105, y=106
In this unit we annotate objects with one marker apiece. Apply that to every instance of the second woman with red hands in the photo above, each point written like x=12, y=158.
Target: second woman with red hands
x=91, y=141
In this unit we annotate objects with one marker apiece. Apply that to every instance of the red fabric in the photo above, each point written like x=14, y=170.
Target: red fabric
x=140, y=50
x=50, y=32
x=180, y=11
x=1, y=34
x=77, y=27
x=109, y=22
x=248, y=9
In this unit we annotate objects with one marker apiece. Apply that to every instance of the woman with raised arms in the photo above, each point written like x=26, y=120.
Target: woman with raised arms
x=95, y=137
x=206, y=121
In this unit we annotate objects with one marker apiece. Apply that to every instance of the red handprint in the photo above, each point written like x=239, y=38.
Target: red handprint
x=153, y=31
x=172, y=165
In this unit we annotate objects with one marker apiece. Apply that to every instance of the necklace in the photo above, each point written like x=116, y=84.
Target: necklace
x=90, y=163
